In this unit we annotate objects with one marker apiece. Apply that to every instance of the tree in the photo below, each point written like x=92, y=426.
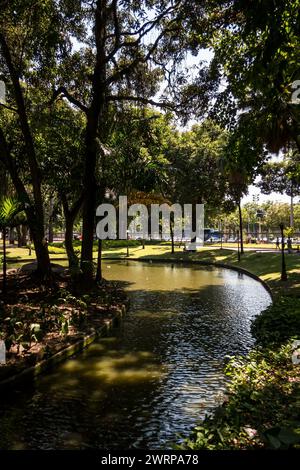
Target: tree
x=123, y=60
x=282, y=177
x=242, y=156
x=195, y=173
x=60, y=148
x=255, y=64
x=275, y=214
x=139, y=143
x=196, y=162
x=29, y=39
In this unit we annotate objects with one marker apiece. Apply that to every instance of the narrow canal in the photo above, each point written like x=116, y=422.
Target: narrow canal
x=158, y=373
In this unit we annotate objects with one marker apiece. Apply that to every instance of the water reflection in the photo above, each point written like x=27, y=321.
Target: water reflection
x=157, y=376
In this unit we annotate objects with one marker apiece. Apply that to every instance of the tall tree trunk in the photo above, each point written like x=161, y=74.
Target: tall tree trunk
x=194, y=226
x=36, y=220
x=172, y=236
x=88, y=210
x=41, y=252
x=24, y=235
x=99, y=262
x=241, y=227
x=19, y=235
x=95, y=114
x=70, y=216
x=11, y=236
x=72, y=257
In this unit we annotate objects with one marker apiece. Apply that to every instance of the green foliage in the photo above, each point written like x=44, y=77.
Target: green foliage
x=260, y=407
x=107, y=244
x=278, y=323
x=23, y=333
x=140, y=142
x=56, y=247
x=281, y=177
x=196, y=157
x=256, y=47
x=9, y=208
x=24, y=327
x=289, y=232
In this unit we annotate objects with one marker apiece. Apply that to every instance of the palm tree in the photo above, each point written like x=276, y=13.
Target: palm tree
x=9, y=209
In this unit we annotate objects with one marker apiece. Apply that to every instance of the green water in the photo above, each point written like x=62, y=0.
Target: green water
x=155, y=377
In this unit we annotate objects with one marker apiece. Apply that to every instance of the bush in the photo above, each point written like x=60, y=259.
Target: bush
x=278, y=323
x=119, y=243
x=56, y=244
x=261, y=408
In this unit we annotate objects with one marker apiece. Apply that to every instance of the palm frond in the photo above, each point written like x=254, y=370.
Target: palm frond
x=9, y=208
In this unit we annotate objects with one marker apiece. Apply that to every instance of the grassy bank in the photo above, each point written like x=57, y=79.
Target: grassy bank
x=266, y=265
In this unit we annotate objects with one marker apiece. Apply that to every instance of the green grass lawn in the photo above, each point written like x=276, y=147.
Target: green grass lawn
x=265, y=265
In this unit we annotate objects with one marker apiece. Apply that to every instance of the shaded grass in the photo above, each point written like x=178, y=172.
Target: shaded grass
x=265, y=265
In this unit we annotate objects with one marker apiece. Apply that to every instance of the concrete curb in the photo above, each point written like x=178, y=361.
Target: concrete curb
x=30, y=373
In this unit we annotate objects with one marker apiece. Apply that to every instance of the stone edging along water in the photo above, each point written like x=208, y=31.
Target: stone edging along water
x=30, y=373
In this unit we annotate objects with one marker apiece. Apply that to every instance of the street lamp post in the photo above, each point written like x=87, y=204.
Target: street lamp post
x=283, y=266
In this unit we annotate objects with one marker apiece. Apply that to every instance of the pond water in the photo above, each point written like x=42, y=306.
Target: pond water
x=157, y=375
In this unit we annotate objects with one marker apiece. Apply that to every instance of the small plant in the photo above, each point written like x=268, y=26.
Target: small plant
x=278, y=323
x=64, y=329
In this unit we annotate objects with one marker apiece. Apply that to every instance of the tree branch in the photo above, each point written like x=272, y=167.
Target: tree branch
x=140, y=99
x=117, y=32
x=74, y=209
x=10, y=108
x=131, y=66
x=63, y=91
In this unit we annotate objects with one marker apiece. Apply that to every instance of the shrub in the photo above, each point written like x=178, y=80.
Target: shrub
x=278, y=323
x=260, y=410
